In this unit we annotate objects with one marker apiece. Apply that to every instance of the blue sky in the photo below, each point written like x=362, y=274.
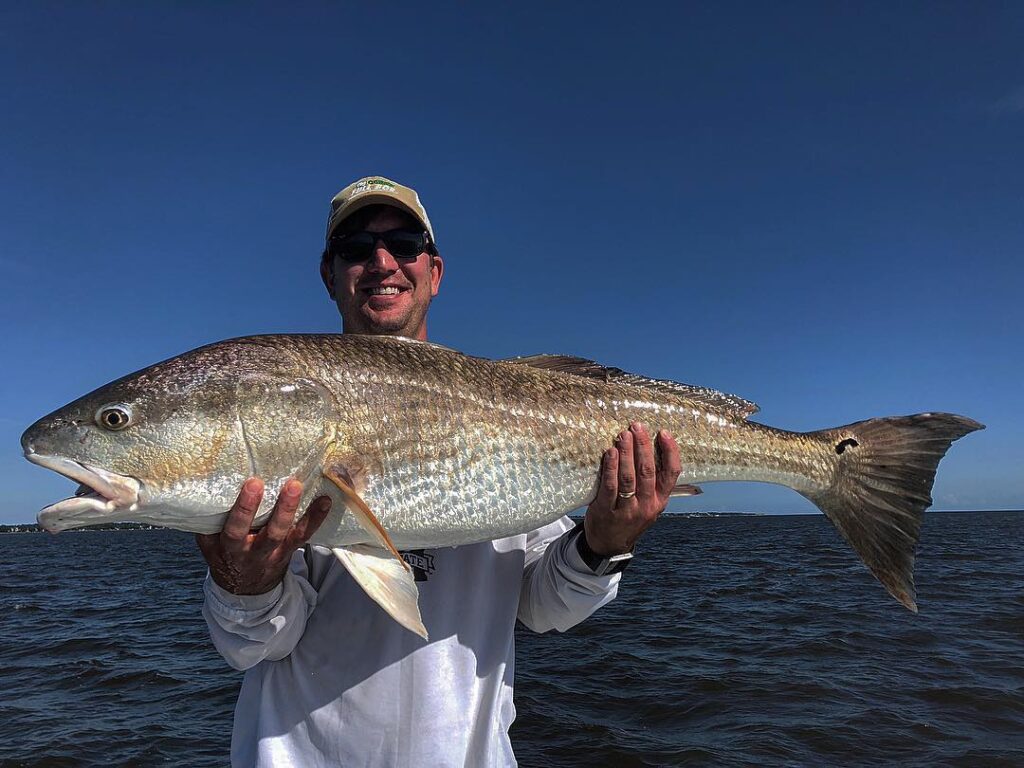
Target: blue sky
x=817, y=207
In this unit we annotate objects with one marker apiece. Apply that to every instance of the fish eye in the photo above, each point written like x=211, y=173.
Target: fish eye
x=114, y=417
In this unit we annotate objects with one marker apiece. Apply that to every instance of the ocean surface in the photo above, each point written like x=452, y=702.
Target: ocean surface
x=734, y=641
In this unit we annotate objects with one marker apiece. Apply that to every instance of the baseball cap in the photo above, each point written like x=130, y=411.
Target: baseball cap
x=374, y=190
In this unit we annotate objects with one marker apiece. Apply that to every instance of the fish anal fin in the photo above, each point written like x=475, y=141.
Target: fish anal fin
x=361, y=511
x=686, y=490
x=385, y=582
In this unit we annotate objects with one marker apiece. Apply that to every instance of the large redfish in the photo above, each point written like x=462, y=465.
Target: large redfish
x=423, y=446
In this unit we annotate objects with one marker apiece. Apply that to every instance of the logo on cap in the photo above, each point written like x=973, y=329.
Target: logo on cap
x=377, y=184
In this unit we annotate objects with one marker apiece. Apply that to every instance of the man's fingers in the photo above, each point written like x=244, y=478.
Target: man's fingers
x=315, y=515
x=240, y=516
x=282, y=518
x=671, y=465
x=643, y=455
x=627, y=471
x=608, y=488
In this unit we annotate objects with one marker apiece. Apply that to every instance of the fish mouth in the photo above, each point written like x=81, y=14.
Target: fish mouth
x=101, y=495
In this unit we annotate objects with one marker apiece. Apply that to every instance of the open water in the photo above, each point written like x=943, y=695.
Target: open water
x=735, y=641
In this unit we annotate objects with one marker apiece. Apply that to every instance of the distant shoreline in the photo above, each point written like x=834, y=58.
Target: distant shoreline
x=35, y=528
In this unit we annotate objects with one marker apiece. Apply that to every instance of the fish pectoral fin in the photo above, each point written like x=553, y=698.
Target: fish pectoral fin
x=685, y=490
x=386, y=582
x=363, y=514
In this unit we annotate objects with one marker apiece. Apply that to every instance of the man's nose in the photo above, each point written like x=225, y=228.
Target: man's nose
x=382, y=259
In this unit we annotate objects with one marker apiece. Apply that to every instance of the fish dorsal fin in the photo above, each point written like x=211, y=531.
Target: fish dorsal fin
x=709, y=398
x=579, y=366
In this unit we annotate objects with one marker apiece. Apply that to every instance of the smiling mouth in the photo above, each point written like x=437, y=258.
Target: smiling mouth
x=100, y=494
x=385, y=290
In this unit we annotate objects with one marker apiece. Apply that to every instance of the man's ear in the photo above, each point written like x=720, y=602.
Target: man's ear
x=436, y=272
x=327, y=275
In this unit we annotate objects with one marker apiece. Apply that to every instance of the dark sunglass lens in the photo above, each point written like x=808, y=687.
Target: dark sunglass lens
x=405, y=244
x=353, y=248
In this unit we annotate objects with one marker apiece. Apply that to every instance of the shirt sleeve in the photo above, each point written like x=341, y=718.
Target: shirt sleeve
x=246, y=629
x=559, y=590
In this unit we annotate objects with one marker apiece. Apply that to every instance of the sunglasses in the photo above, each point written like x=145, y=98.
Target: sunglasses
x=357, y=247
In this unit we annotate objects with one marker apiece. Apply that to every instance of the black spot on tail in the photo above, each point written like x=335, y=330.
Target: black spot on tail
x=847, y=443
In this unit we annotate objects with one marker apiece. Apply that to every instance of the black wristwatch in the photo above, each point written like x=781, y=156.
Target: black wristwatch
x=599, y=564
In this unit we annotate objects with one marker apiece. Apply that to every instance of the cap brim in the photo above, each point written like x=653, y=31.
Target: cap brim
x=374, y=199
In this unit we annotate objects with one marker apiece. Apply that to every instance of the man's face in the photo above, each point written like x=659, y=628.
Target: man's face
x=356, y=288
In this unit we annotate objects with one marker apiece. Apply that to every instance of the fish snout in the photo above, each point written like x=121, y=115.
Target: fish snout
x=28, y=440
x=43, y=436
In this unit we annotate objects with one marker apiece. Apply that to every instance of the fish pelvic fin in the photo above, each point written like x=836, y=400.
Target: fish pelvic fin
x=386, y=582
x=883, y=486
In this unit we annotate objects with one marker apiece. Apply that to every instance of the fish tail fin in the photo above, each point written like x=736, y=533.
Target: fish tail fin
x=882, y=487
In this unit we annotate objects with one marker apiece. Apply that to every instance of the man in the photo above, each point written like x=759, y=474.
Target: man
x=330, y=678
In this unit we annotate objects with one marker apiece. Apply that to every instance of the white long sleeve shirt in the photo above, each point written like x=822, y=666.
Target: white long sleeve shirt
x=332, y=680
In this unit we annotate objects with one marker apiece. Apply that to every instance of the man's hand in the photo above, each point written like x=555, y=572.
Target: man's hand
x=250, y=563
x=633, y=490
